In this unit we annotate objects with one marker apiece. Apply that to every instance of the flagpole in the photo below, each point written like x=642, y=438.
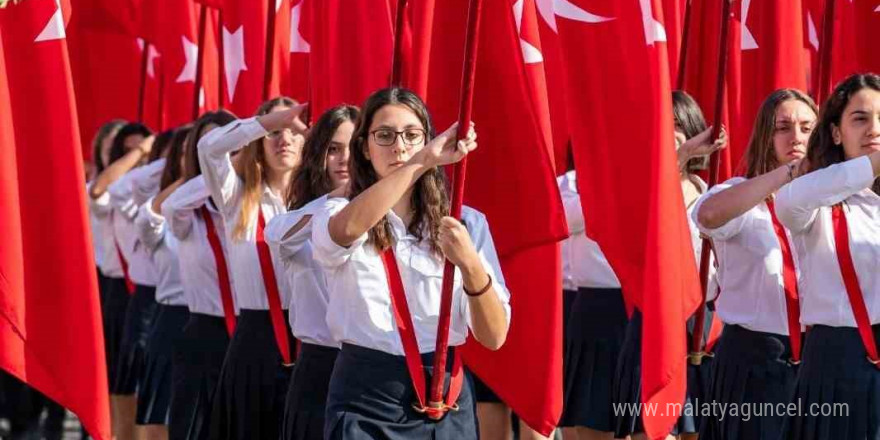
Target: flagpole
x=397, y=63
x=683, y=50
x=200, y=61
x=221, y=61
x=270, y=50
x=458, y=179
x=825, y=62
x=145, y=60
x=697, y=352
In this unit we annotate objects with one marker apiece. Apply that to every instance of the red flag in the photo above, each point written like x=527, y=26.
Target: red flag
x=298, y=87
x=352, y=42
x=673, y=13
x=177, y=42
x=618, y=78
x=772, y=58
x=513, y=158
x=554, y=72
x=701, y=73
x=50, y=328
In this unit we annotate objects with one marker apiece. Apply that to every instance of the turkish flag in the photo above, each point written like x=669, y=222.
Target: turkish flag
x=673, y=14
x=557, y=95
x=50, y=328
x=701, y=74
x=772, y=57
x=298, y=85
x=177, y=41
x=618, y=78
x=514, y=158
x=417, y=45
x=352, y=42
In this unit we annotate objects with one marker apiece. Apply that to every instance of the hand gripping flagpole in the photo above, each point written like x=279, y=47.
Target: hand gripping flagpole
x=397, y=63
x=697, y=352
x=436, y=407
x=200, y=61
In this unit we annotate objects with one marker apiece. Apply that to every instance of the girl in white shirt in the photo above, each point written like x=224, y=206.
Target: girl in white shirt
x=249, y=190
x=154, y=391
x=388, y=239
x=758, y=353
x=833, y=214
x=199, y=352
x=693, y=148
x=324, y=169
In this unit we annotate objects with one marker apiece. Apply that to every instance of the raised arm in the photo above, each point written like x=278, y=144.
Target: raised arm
x=150, y=226
x=121, y=166
x=724, y=206
x=180, y=205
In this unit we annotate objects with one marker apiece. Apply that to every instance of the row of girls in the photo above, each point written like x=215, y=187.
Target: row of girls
x=795, y=283
x=264, y=279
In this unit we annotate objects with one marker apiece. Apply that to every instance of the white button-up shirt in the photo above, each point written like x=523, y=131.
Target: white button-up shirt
x=162, y=247
x=125, y=200
x=359, y=310
x=198, y=268
x=102, y=235
x=750, y=267
x=227, y=190
x=804, y=207
x=583, y=263
x=306, y=278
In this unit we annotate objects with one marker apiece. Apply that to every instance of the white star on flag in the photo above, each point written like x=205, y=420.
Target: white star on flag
x=654, y=30
x=54, y=29
x=531, y=54
x=233, y=52
x=191, y=52
x=811, y=32
x=151, y=59
x=748, y=40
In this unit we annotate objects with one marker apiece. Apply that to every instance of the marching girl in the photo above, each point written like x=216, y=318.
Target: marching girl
x=693, y=147
x=833, y=214
x=324, y=169
x=595, y=322
x=131, y=146
x=154, y=393
x=755, y=359
x=383, y=250
x=249, y=190
x=200, y=349
x=99, y=210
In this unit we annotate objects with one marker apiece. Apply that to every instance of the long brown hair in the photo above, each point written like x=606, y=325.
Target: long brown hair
x=173, y=170
x=191, y=164
x=250, y=165
x=430, y=199
x=108, y=129
x=760, y=155
x=312, y=180
x=689, y=118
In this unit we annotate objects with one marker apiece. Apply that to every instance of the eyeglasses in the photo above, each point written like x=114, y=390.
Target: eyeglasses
x=386, y=137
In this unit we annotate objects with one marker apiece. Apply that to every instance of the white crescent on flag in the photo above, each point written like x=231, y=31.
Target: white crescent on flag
x=748, y=40
x=811, y=32
x=233, y=53
x=654, y=30
x=151, y=60
x=549, y=9
x=531, y=54
x=54, y=29
x=298, y=44
x=191, y=52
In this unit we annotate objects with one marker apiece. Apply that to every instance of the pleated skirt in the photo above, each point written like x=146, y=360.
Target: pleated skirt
x=154, y=394
x=307, y=396
x=139, y=316
x=113, y=309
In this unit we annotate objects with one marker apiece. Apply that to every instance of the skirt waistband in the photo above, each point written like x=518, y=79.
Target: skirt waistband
x=369, y=355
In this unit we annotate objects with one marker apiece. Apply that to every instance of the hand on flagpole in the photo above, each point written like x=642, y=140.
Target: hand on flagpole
x=699, y=145
x=456, y=244
x=445, y=150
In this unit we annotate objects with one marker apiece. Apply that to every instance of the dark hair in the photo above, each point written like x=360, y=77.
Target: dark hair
x=108, y=129
x=689, y=119
x=430, y=198
x=173, y=169
x=117, y=150
x=191, y=150
x=760, y=156
x=821, y=150
x=312, y=180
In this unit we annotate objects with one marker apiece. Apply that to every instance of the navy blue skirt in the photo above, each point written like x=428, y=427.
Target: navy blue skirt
x=371, y=397
x=113, y=309
x=139, y=316
x=249, y=401
x=195, y=371
x=154, y=394
x=595, y=331
x=307, y=396
x=751, y=369
x=837, y=390
x=628, y=382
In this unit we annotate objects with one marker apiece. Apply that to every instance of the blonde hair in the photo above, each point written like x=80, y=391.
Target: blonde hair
x=250, y=165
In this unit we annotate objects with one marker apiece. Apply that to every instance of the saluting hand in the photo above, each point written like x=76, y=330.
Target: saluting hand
x=444, y=150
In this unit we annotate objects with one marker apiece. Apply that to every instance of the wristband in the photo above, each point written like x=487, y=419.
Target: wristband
x=479, y=292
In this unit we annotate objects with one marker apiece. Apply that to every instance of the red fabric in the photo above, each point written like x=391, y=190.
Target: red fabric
x=701, y=73
x=223, y=280
x=555, y=79
x=298, y=85
x=50, y=318
x=616, y=66
x=403, y=321
x=352, y=42
x=421, y=31
x=279, y=327
x=513, y=158
x=177, y=42
x=673, y=14
x=776, y=60
x=789, y=279
x=851, y=281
